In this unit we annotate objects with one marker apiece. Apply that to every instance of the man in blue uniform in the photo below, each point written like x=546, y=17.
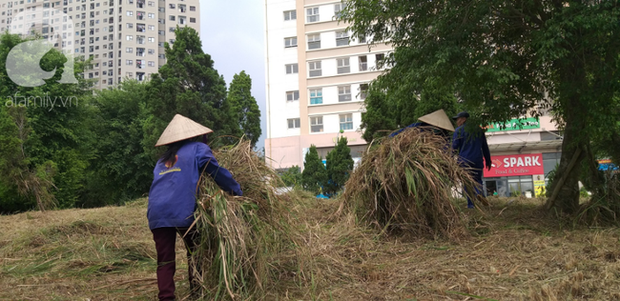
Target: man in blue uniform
x=172, y=198
x=471, y=147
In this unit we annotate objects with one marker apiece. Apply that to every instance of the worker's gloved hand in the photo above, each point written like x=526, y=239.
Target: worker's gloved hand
x=488, y=165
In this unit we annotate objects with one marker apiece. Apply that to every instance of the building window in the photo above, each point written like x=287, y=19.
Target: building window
x=293, y=123
x=172, y=18
x=316, y=124
x=192, y=8
x=379, y=60
x=192, y=20
x=151, y=64
x=363, y=91
x=519, y=185
x=315, y=68
x=129, y=50
x=314, y=41
x=550, y=160
x=129, y=38
x=312, y=14
x=129, y=13
x=316, y=96
x=363, y=62
x=152, y=27
x=361, y=38
x=346, y=122
x=290, y=15
x=129, y=25
x=290, y=42
x=151, y=40
x=292, y=95
x=338, y=9
x=151, y=16
x=129, y=62
x=342, y=38
x=343, y=65
x=344, y=93
x=140, y=76
x=292, y=68
x=151, y=51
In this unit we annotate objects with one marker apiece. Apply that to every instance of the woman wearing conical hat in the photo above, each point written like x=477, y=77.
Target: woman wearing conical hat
x=437, y=121
x=172, y=198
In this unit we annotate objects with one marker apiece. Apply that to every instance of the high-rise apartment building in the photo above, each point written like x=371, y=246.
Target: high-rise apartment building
x=124, y=38
x=317, y=73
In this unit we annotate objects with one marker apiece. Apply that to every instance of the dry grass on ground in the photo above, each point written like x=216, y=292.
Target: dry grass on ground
x=515, y=253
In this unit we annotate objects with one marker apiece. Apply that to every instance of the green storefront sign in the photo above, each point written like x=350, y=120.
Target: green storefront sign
x=515, y=125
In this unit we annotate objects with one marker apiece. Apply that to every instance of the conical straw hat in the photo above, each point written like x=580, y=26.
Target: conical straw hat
x=181, y=128
x=438, y=119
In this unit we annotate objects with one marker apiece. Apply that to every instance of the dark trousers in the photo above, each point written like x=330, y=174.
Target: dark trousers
x=165, y=239
x=476, y=174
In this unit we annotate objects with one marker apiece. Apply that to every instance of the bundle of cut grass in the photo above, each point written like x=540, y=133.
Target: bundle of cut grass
x=240, y=235
x=406, y=184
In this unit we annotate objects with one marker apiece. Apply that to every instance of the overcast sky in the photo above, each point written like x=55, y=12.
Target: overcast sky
x=233, y=33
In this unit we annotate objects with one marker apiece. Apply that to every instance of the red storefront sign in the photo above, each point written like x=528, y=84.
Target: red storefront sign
x=515, y=165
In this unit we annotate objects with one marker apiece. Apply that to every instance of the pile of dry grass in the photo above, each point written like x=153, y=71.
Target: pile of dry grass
x=406, y=185
x=241, y=235
x=603, y=207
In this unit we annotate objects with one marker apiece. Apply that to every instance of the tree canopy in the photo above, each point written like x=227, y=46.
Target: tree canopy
x=339, y=166
x=506, y=59
x=314, y=174
x=65, y=145
x=188, y=84
x=244, y=107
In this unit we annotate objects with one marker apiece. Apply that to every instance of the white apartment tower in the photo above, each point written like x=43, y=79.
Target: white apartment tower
x=124, y=38
x=316, y=76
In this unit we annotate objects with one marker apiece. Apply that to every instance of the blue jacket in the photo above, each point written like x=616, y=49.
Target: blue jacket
x=172, y=198
x=471, y=148
x=416, y=124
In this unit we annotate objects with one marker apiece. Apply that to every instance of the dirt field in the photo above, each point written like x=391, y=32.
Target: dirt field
x=515, y=252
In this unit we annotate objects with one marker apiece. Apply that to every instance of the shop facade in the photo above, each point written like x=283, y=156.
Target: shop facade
x=523, y=153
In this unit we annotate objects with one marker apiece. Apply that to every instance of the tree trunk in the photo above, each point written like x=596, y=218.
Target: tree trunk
x=565, y=187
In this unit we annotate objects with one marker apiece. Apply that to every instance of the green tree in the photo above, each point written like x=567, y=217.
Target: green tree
x=45, y=124
x=390, y=105
x=339, y=166
x=188, y=84
x=244, y=106
x=120, y=170
x=508, y=59
x=292, y=176
x=314, y=174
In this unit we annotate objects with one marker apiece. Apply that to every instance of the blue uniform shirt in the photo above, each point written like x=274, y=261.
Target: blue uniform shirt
x=471, y=148
x=172, y=198
x=413, y=125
